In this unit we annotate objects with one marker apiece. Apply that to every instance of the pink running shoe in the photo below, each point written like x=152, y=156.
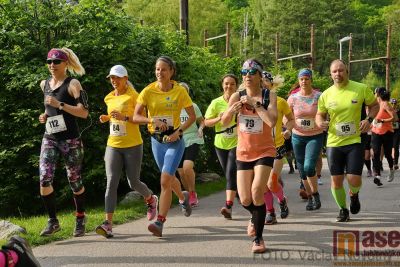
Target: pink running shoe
x=152, y=208
x=193, y=200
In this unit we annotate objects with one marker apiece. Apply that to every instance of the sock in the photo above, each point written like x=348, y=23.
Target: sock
x=250, y=208
x=4, y=257
x=367, y=163
x=279, y=194
x=269, y=201
x=354, y=189
x=315, y=194
x=50, y=205
x=161, y=218
x=228, y=204
x=259, y=219
x=79, y=203
x=149, y=200
x=340, y=197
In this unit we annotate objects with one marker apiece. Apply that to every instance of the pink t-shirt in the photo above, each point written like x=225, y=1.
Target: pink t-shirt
x=304, y=110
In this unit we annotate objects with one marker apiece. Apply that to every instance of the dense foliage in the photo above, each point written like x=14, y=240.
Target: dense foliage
x=102, y=36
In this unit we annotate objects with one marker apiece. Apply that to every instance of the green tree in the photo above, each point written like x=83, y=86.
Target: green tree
x=212, y=15
x=101, y=35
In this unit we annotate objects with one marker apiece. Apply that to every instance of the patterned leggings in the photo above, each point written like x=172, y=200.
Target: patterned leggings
x=72, y=152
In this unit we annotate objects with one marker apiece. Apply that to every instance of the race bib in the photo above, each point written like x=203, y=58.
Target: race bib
x=345, y=128
x=250, y=124
x=118, y=128
x=396, y=125
x=377, y=124
x=229, y=132
x=55, y=124
x=166, y=119
x=305, y=124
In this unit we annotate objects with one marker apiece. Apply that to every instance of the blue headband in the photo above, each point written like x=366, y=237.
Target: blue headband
x=305, y=72
x=251, y=64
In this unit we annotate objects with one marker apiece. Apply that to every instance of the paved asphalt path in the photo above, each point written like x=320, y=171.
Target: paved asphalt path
x=305, y=238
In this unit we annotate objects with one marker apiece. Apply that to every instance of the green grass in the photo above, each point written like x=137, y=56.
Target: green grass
x=123, y=214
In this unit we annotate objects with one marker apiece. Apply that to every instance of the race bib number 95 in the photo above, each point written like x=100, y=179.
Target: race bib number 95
x=345, y=128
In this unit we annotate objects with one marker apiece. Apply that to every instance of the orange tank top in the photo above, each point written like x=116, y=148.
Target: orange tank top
x=255, y=139
x=382, y=127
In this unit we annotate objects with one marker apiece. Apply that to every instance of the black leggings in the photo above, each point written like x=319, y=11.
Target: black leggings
x=227, y=159
x=377, y=141
x=396, y=139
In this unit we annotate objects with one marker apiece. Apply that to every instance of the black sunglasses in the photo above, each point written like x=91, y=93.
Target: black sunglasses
x=54, y=61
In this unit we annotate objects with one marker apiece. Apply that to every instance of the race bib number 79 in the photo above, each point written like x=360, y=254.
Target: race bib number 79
x=250, y=124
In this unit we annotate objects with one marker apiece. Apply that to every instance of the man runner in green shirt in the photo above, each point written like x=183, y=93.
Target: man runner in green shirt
x=343, y=102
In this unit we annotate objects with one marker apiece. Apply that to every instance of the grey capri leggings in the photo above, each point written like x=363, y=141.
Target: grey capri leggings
x=115, y=159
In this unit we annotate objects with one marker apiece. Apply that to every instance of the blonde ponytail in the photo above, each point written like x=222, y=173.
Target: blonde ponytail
x=74, y=65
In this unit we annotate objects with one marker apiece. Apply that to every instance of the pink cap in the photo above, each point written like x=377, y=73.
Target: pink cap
x=57, y=54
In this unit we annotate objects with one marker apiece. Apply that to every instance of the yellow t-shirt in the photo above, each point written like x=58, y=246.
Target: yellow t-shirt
x=123, y=134
x=344, y=108
x=165, y=106
x=283, y=110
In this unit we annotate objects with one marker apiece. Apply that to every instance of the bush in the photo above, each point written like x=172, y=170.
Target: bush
x=102, y=36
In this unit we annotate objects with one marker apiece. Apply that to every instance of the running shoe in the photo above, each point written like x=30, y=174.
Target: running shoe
x=152, y=208
x=185, y=206
x=317, y=201
x=24, y=251
x=52, y=227
x=310, y=204
x=391, y=176
x=284, y=208
x=343, y=216
x=320, y=181
x=369, y=173
x=377, y=181
x=354, y=203
x=250, y=229
x=193, y=200
x=156, y=228
x=80, y=226
x=258, y=245
x=396, y=167
x=270, y=219
x=105, y=229
x=227, y=213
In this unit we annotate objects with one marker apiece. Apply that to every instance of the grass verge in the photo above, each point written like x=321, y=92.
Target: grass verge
x=123, y=214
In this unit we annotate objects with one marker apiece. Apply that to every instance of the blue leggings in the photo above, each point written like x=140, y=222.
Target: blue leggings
x=168, y=155
x=306, y=150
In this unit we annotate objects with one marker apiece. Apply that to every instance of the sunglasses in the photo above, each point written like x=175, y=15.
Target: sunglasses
x=249, y=71
x=54, y=61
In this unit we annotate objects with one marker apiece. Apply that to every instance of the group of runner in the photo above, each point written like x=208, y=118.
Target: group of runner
x=251, y=126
